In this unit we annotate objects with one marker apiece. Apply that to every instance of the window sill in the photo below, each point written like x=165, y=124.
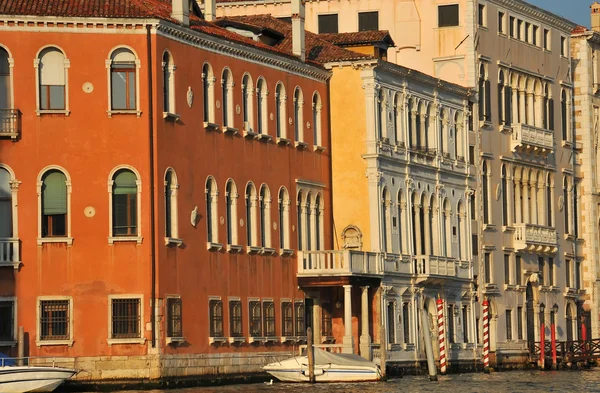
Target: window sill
x=318, y=148
x=489, y=227
x=300, y=145
x=283, y=141
x=41, y=343
x=565, y=143
x=249, y=134
x=8, y=343
x=208, y=126
x=267, y=251
x=230, y=131
x=67, y=240
x=40, y=112
x=290, y=339
x=112, y=113
x=171, y=116
x=174, y=340
x=264, y=137
x=286, y=252
x=234, y=248
x=569, y=237
x=253, y=249
x=115, y=239
x=217, y=340
x=214, y=246
x=327, y=339
x=236, y=340
x=508, y=228
x=117, y=341
x=272, y=339
x=257, y=340
x=173, y=241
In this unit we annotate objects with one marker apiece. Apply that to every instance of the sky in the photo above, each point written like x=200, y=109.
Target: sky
x=577, y=11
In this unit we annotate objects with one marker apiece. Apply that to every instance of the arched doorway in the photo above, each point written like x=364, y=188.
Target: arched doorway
x=530, y=318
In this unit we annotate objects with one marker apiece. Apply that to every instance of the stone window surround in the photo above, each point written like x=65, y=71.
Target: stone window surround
x=36, y=66
x=68, y=341
x=247, y=87
x=14, y=188
x=112, y=239
x=233, y=224
x=230, y=104
x=173, y=214
x=172, y=113
x=108, y=63
x=11, y=66
x=213, y=225
x=63, y=239
x=208, y=77
x=315, y=190
x=138, y=340
x=15, y=327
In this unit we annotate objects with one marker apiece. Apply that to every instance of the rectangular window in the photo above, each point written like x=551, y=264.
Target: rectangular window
x=520, y=323
x=54, y=319
x=7, y=321
x=519, y=29
x=465, y=318
x=448, y=15
x=235, y=318
x=501, y=21
x=126, y=318
x=477, y=330
x=551, y=271
x=451, y=324
x=122, y=79
x=518, y=269
x=488, y=267
x=546, y=39
x=541, y=268
x=527, y=31
x=287, y=319
x=215, y=310
x=481, y=15
x=509, y=325
x=563, y=46
x=125, y=214
x=328, y=23
x=472, y=156
x=391, y=318
x=577, y=274
x=52, y=97
x=511, y=26
x=326, y=321
x=299, y=313
x=255, y=319
x=174, y=328
x=534, y=35
x=568, y=271
x=405, y=323
x=368, y=21
x=269, y=318
x=506, y=269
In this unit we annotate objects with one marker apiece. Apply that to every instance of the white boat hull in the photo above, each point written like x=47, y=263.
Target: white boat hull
x=32, y=379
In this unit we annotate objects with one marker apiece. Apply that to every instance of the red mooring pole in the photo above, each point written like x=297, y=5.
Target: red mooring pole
x=542, y=345
x=486, y=335
x=584, y=337
x=553, y=344
x=441, y=335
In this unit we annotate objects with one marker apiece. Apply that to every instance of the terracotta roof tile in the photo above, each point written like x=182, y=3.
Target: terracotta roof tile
x=358, y=38
x=88, y=8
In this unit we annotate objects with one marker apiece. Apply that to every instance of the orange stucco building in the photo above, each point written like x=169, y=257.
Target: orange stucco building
x=158, y=174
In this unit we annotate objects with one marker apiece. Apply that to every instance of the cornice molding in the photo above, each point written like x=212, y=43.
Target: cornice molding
x=537, y=13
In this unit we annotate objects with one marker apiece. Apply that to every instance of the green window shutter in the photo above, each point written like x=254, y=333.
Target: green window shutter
x=125, y=183
x=54, y=193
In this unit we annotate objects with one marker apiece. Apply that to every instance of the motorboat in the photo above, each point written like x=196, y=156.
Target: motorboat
x=329, y=367
x=15, y=378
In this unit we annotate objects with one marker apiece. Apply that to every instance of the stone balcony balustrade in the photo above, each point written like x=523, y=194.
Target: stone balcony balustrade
x=10, y=252
x=533, y=140
x=535, y=238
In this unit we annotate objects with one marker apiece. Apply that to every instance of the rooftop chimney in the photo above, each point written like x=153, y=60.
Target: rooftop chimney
x=595, y=7
x=181, y=11
x=298, y=39
x=210, y=7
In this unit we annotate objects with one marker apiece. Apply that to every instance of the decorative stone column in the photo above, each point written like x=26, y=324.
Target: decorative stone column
x=515, y=105
x=530, y=109
x=348, y=341
x=365, y=338
x=418, y=223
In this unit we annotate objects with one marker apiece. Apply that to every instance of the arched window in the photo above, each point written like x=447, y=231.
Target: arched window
x=125, y=203
x=504, y=197
x=265, y=216
x=482, y=92
x=398, y=137
x=6, y=206
x=486, y=193
x=415, y=216
x=386, y=213
x=208, y=94
x=318, y=223
x=549, y=109
x=570, y=321
x=261, y=108
x=566, y=205
x=298, y=121
x=284, y=219
x=280, y=100
x=171, y=220
x=231, y=196
x=251, y=215
x=212, y=214
x=52, y=80
x=299, y=204
x=431, y=222
x=168, y=68
x=309, y=222
x=457, y=136
x=316, y=108
x=54, y=204
x=418, y=126
x=460, y=231
x=564, y=115
x=549, y=199
x=247, y=102
x=5, y=89
x=401, y=221
x=380, y=114
x=410, y=108
x=123, y=80
x=445, y=223
x=501, y=98
x=227, y=94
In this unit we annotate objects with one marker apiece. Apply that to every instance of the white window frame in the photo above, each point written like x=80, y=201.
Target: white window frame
x=174, y=213
x=141, y=340
x=265, y=220
x=318, y=126
x=564, y=46
x=484, y=22
x=15, y=326
x=138, y=64
x=14, y=189
x=112, y=239
x=172, y=113
x=232, y=220
x=11, y=66
x=36, y=66
x=210, y=79
x=63, y=239
x=285, y=248
x=299, y=124
x=282, y=125
x=172, y=339
x=229, y=116
x=313, y=189
x=213, y=242
x=264, y=107
x=253, y=246
x=38, y=341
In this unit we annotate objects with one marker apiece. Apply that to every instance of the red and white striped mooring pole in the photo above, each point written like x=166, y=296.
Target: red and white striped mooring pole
x=440, y=316
x=486, y=334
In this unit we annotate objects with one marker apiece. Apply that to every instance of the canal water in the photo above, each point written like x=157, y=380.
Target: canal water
x=509, y=381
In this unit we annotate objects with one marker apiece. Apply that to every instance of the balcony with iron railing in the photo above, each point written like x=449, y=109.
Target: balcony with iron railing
x=10, y=123
x=533, y=140
x=535, y=238
x=9, y=252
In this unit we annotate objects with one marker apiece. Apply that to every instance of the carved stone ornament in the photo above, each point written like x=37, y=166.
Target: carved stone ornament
x=89, y=211
x=308, y=125
x=274, y=226
x=271, y=116
x=352, y=238
x=87, y=87
x=218, y=104
x=222, y=220
x=194, y=216
x=241, y=222
x=238, y=109
x=498, y=191
x=290, y=120
x=190, y=96
x=561, y=203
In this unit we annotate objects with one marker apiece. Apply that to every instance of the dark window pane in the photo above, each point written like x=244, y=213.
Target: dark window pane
x=328, y=23
x=448, y=15
x=6, y=321
x=119, y=90
x=57, y=97
x=126, y=318
x=368, y=21
x=54, y=320
x=287, y=19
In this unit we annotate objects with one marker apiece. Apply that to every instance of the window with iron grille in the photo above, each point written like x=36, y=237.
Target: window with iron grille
x=255, y=319
x=465, y=319
x=54, y=320
x=174, y=328
x=520, y=323
x=300, y=325
x=216, y=318
x=326, y=322
x=448, y=15
x=235, y=318
x=287, y=319
x=126, y=318
x=405, y=325
x=451, y=324
x=7, y=322
x=269, y=318
x=368, y=21
x=509, y=325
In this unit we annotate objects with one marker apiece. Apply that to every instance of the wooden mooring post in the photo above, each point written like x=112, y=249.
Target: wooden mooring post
x=310, y=354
